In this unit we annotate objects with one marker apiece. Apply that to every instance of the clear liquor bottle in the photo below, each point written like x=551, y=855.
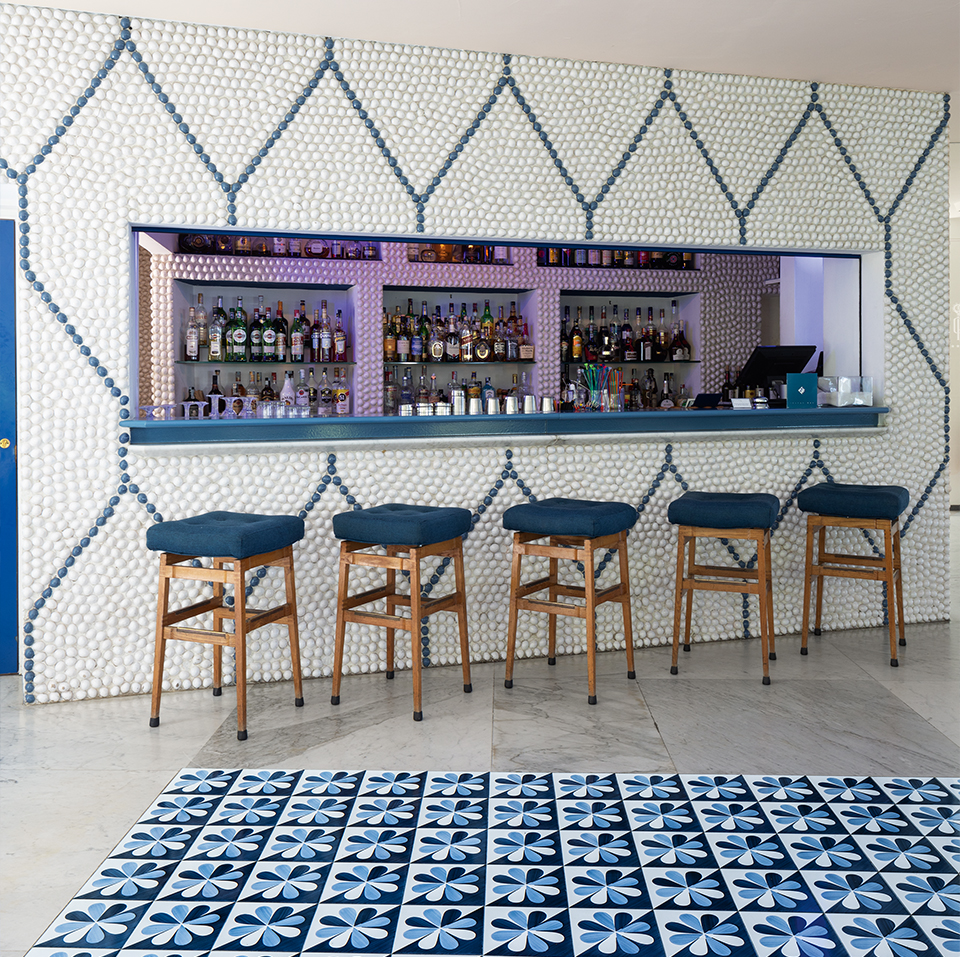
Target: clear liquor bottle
x=302, y=395
x=326, y=334
x=203, y=325
x=191, y=338
x=325, y=396
x=313, y=392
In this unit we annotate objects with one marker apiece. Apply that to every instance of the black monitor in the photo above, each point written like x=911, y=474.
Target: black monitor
x=769, y=363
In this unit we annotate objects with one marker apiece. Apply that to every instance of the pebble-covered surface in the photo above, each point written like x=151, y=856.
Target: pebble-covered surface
x=110, y=121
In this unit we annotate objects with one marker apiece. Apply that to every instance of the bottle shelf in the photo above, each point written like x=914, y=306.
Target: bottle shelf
x=249, y=364
x=451, y=365
x=632, y=362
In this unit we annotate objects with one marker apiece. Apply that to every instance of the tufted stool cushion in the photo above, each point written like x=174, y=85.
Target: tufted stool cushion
x=724, y=510
x=568, y=516
x=223, y=534
x=398, y=524
x=854, y=501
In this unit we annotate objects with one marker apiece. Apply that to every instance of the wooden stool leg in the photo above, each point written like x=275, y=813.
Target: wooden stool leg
x=807, y=580
x=391, y=606
x=512, y=614
x=293, y=627
x=821, y=548
x=678, y=598
x=890, y=579
x=218, y=617
x=160, y=645
x=688, y=596
x=341, y=627
x=240, y=646
x=768, y=588
x=552, y=619
x=625, y=603
x=416, y=662
x=898, y=569
x=590, y=593
x=763, y=570
x=461, y=609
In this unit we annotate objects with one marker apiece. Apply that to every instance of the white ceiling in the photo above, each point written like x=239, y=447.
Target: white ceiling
x=888, y=43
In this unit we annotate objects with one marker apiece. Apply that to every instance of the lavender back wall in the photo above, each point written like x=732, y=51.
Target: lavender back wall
x=107, y=122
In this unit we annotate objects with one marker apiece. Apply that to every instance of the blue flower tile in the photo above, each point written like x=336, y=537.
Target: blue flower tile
x=894, y=935
x=521, y=786
x=309, y=844
x=814, y=818
x=942, y=932
x=121, y=879
x=586, y=786
x=457, y=785
x=781, y=787
x=352, y=929
x=599, y=932
x=439, y=929
x=527, y=932
x=94, y=924
x=792, y=935
x=273, y=928
x=731, y=815
x=293, y=883
x=446, y=812
x=826, y=852
x=769, y=890
x=913, y=791
x=371, y=883
x=460, y=846
x=191, y=926
x=850, y=790
x=371, y=811
x=682, y=848
x=378, y=845
x=203, y=781
x=446, y=884
x=510, y=885
x=228, y=843
x=853, y=892
x=651, y=787
x=393, y=783
x=520, y=813
x=203, y=880
x=897, y=855
x=592, y=814
x=753, y=849
x=716, y=787
x=607, y=888
x=687, y=888
x=157, y=842
x=661, y=815
x=929, y=894
x=329, y=783
x=265, y=782
x=685, y=933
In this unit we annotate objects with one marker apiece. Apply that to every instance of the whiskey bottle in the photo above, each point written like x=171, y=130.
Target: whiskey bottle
x=389, y=337
x=237, y=393
x=662, y=344
x=512, y=335
x=403, y=336
x=191, y=338
x=499, y=343
x=339, y=339
x=391, y=394
x=437, y=342
x=417, y=341
x=604, y=342
x=526, y=345
x=467, y=338
x=576, y=338
x=268, y=393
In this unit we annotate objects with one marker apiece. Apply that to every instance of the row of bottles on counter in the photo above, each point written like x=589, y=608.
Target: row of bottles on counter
x=230, y=336
x=276, y=247
x=617, y=341
x=434, y=398
x=326, y=397
x=458, y=338
x=615, y=258
x=468, y=253
x=613, y=392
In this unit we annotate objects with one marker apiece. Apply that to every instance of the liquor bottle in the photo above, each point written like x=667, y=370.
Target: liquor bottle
x=403, y=335
x=391, y=394
x=218, y=323
x=240, y=333
x=487, y=321
x=294, y=247
x=483, y=350
x=628, y=347
x=618, y=256
x=726, y=390
x=649, y=390
x=606, y=258
x=278, y=246
x=283, y=333
x=298, y=337
x=635, y=400
x=417, y=341
x=203, y=326
x=422, y=394
x=406, y=389
x=474, y=390
x=501, y=255
x=666, y=393
x=487, y=392
x=458, y=395
x=593, y=257
x=437, y=342
x=339, y=339
x=629, y=259
x=523, y=390
x=499, y=343
x=615, y=335
x=467, y=340
x=341, y=394
x=389, y=337
x=512, y=335
x=253, y=392
x=662, y=345
x=237, y=393
x=526, y=349
x=268, y=393
x=215, y=398
x=580, y=256
x=576, y=338
x=649, y=333
x=193, y=412
x=228, y=334
x=269, y=337
x=565, y=336
x=288, y=395
x=434, y=395
x=191, y=338
x=302, y=395
x=313, y=392
x=452, y=347
x=324, y=396
x=604, y=340
x=591, y=344
x=312, y=348
x=256, y=335
x=326, y=334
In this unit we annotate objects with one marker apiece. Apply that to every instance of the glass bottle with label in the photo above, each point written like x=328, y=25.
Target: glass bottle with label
x=298, y=337
x=576, y=338
x=203, y=326
x=283, y=333
x=591, y=345
x=288, y=395
x=483, y=350
x=341, y=394
x=512, y=335
x=191, y=338
x=417, y=341
x=391, y=394
x=256, y=336
x=389, y=337
x=313, y=391
x=218, y=323
x=339, y=340
x=467, y=341
x=452, y=344
x=628, y=347
x=499, y=343
x=253, y=392
x=269, y=337
x=302, y=395
x=215, y=398
x=403, y=334
x=324, y=396
x=237, y=392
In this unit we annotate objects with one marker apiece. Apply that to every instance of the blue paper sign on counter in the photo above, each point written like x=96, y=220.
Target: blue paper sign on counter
x=801, y=390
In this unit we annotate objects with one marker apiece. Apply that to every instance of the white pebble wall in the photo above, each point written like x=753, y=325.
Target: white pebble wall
x=108, y=122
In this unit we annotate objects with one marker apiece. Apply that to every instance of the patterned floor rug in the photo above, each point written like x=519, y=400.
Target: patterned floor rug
x=279, y=862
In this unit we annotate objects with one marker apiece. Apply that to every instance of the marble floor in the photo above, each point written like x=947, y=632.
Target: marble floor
x=74, y=776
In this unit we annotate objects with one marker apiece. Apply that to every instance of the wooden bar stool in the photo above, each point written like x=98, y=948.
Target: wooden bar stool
x=245, y=542
x=724, y=515
x=577, y=530
x=418, y=531
x=876, y=507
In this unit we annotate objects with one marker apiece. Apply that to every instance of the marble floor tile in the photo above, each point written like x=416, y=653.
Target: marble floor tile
x=813, y=727
x=936, y=701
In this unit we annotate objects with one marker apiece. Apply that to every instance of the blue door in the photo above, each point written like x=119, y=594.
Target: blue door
x=8, y=453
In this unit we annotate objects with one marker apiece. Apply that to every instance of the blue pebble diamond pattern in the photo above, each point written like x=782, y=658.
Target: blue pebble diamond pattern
x=566, y=865
x=329, y=70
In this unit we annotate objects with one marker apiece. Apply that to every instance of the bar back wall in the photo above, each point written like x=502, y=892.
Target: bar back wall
x=108, y=122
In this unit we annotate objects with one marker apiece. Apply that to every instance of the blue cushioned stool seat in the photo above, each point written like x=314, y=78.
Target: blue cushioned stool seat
x=567, y=516
x=724, y=509
x=223, y=534
x=854, y=501
x=398, y=524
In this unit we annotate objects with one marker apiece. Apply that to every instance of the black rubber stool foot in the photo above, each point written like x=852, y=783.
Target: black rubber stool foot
x=241, y=735
x=803, y=651
x=334, y=699
x=389, y=676
x=591, y=699
x=508, y=683
x=418, y=716
x=686, y=648
x=467, y=689
x=154, y=722
x=903, y=642
x=217, y=692
x=551, y=661
x=766, y=679
x=298, y=702
x=631, y=674
x=772, y=656
x=817, y=632
x=674, y=670
x=894, y=663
